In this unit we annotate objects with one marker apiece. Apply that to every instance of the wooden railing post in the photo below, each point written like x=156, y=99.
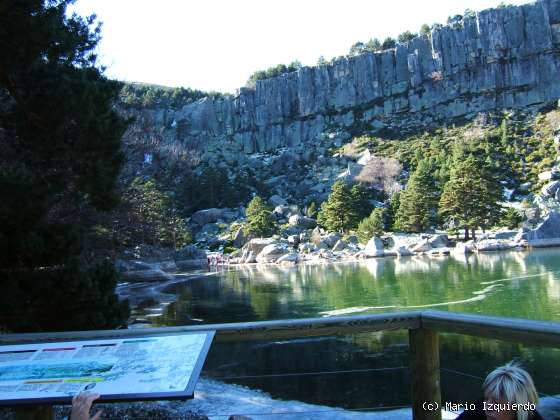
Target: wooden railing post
x=424, y=374
x=40, y=412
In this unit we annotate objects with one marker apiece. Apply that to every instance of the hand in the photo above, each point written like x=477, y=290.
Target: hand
x=81, y=404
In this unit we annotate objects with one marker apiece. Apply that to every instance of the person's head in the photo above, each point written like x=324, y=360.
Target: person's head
x=513, y=385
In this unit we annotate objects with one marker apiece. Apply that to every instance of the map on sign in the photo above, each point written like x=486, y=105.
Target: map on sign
x=120, y=370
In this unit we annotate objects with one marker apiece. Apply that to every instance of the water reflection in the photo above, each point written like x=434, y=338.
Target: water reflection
x=514, y=284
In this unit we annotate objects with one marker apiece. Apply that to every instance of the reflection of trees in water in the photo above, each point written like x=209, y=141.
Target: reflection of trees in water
x=268, y=292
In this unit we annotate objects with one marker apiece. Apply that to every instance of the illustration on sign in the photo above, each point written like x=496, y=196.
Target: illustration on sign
x=109, y=367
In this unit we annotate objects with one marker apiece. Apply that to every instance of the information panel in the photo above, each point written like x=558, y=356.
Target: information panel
x=148, y=368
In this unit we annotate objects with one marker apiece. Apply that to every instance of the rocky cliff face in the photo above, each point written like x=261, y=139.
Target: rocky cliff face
x=501, y=58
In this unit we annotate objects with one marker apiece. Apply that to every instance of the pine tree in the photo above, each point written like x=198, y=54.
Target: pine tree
x=511, y=218
x=373, y=225
x=151, y=218
x=60, y=155
x=418, y=202
x=338, y=213
x=471, y=197
x=259, y=218
x=391, y=211
x=360, y=203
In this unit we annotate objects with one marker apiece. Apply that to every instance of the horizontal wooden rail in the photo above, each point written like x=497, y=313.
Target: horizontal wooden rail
x=512, y=329
x=245, y=331
x=520, y=330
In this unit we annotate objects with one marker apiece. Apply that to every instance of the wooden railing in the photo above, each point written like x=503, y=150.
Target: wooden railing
x=423, y=327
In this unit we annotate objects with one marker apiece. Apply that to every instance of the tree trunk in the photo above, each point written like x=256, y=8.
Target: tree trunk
x=466, y=234
x=473, y=234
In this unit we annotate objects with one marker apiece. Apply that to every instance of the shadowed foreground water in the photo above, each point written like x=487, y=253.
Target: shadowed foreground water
x=513, y=284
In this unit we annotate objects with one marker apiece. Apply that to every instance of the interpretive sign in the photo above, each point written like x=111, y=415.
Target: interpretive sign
x=129, y=369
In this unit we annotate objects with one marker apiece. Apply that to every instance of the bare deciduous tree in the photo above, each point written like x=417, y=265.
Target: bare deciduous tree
x=381, y=173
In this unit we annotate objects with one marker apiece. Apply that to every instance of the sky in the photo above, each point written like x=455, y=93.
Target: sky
x=215, y=45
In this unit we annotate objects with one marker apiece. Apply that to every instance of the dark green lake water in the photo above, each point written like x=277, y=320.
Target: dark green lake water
x=513, y=284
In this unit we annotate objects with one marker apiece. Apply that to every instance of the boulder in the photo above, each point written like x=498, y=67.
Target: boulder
x=302, y=221
x=291, y=231
x=403, y=251
x=439, y=251
x=546, y=234
x=306, y=248
x=252, y=248
x=276, y=200
x=239, y=239
x=551, y=189
x=292, y=257
x=391, y=253
x=486, y=245
x=283, y=212
x=439, y=241
x=248, y=257
x=256, y=245
x=423, y=246
x=271, y=253
x=331, y=239
x=339, y=246
x=374, y=248
x=203, y=217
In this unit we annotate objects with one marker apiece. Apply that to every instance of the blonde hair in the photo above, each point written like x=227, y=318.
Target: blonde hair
x=512, y=384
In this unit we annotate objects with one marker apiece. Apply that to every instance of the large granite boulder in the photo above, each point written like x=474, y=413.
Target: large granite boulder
x=439, y=241
x=339, y=246
x=306, y=248
x=203, y=217
x=546, y=234
x=271, y=253
x=239, y=239
x=331, y=239
x=291, y=257
x=253, y=248
x=423, y=246
x=403, y=251
x=374, y=248
x=550, y=189
x=486, y=245
x=302, y=221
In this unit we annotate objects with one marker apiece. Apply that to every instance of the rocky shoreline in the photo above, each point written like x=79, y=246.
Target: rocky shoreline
x=316, y=246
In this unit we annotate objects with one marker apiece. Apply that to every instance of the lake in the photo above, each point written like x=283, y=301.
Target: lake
x=371, y=367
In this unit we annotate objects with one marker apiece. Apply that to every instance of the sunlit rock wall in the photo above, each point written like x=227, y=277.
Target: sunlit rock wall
x=501, y=58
